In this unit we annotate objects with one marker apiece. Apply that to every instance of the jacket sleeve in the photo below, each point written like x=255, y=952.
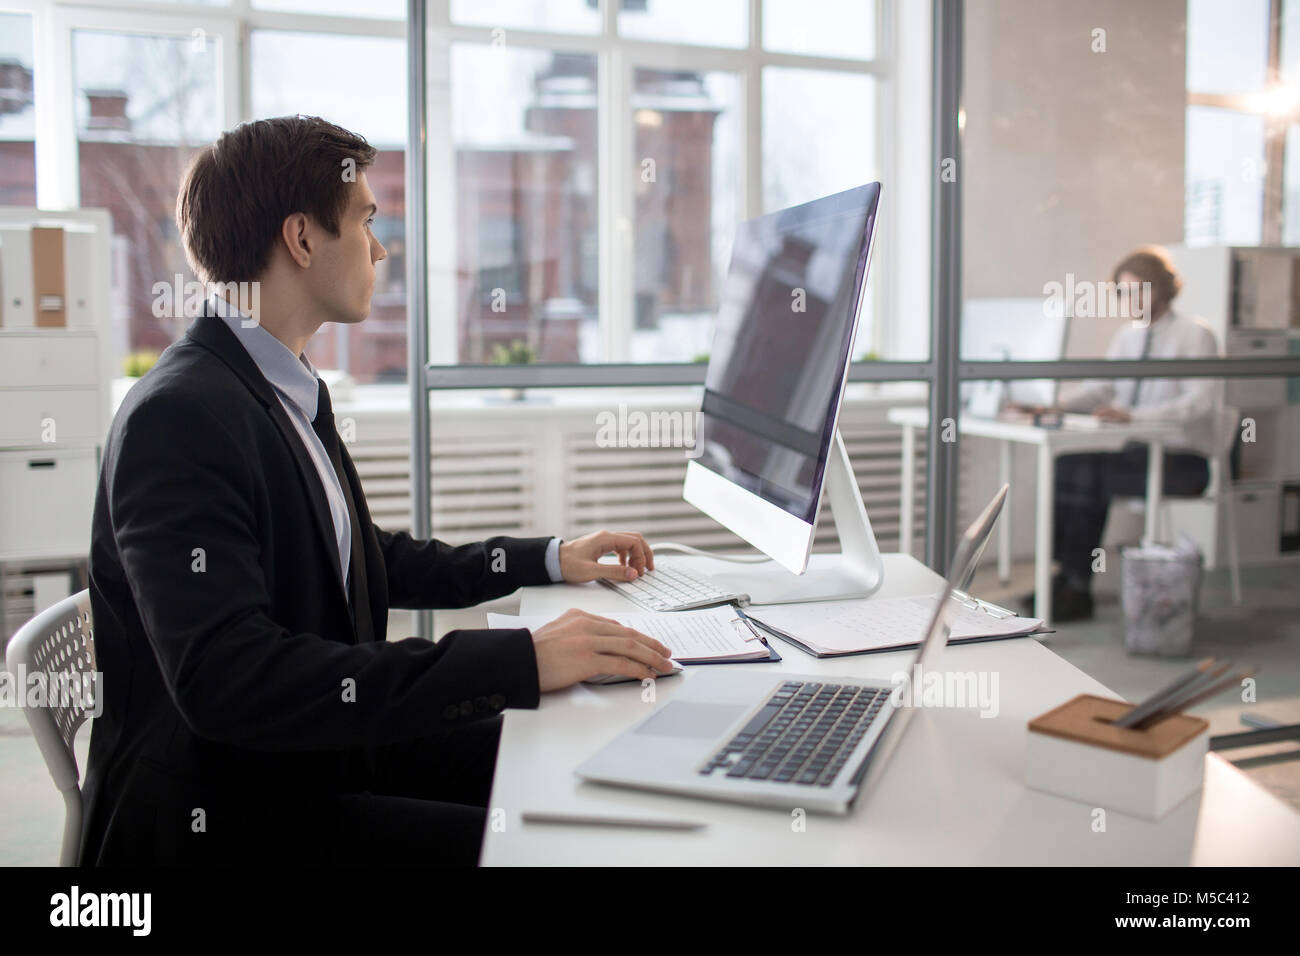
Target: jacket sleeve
x=185, y=517
x=431, y=574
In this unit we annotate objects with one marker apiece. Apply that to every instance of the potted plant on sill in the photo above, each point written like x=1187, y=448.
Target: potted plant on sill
x=518, y=352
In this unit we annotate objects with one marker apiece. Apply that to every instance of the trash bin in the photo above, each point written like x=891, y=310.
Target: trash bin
x=1160, y=588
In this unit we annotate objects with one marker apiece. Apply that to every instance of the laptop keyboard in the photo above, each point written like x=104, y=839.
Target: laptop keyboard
x=802, y=735
x=666, y=589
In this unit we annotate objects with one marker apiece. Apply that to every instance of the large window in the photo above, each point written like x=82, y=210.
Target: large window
x=590, y=165
x=129, y=96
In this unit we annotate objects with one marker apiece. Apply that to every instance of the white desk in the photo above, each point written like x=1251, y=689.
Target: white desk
x=953, y=794
x=1050, y=442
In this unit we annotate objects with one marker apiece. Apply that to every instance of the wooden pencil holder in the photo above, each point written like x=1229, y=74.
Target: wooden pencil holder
x=1076, y=751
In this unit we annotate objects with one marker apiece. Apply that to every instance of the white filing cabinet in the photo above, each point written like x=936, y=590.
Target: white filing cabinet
x=1251, y=297
x=54, y=410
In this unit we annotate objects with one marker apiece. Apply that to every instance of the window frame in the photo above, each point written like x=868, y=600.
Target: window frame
x=617, y=59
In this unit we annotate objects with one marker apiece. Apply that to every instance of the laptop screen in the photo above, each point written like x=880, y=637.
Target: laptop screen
x=964, y=562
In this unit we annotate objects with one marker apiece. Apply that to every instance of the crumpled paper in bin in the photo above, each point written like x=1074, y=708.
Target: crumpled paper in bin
x=1160, y=589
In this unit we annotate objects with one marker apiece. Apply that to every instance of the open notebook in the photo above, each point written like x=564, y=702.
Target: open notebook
x=707, y=636
x=829, y=628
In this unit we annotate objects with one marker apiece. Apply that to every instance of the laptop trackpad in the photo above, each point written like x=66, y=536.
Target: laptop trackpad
x=682, y=718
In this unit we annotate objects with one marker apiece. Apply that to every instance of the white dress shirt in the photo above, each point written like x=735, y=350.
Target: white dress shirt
x=294, y=380
x=1192, y=403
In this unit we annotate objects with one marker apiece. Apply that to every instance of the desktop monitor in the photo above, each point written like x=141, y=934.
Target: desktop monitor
x=768, y=440
x=1031, y=329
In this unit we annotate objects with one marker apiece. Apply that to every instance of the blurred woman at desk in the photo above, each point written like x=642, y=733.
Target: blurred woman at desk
x=1086, y=483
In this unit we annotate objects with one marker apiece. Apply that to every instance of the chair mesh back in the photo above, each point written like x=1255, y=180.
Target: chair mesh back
x=70, y=649
x=62, y=643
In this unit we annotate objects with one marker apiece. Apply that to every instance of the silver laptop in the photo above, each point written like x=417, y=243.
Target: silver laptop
x=776, y=739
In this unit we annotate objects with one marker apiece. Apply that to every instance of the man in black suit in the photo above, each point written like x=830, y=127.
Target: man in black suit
x=253, y=709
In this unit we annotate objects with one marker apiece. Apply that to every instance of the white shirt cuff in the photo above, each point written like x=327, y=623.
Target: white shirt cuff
x=553, y=561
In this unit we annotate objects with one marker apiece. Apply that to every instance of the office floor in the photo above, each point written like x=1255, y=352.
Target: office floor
x=31, y=813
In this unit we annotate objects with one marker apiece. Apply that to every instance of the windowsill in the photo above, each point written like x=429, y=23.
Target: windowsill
x=396, y=399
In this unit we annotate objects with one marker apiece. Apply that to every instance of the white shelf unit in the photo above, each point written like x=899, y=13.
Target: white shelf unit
x=54, y=407
x=1251, y=296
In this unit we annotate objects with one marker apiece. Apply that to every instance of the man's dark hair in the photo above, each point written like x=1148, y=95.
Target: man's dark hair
x=239, y=190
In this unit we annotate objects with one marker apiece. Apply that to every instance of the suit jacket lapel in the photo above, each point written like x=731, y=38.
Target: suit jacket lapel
x=210, y=331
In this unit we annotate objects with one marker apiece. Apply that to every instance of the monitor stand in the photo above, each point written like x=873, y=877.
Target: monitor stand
x=856, y=572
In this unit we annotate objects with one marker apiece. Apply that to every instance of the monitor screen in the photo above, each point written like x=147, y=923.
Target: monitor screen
x=786, y=321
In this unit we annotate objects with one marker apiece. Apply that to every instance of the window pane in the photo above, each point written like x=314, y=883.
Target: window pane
x=687, y=153
x=1290, y=54
x=298, y=73
x=844, y=28
x=144, y=104
x=573, y=16
x=1227, y=46
x=715, y=23
x=377, y=9
x=1225, y=175
x=812, y=106
x=837, y=111
x=1291, y=189
x=17, y=112
x=524, y=132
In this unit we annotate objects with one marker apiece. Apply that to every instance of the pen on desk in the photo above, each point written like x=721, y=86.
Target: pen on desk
x=1173, y=702
x=1168, y=703
x=1153, y=703
x=1186, y=702
x=577, y=819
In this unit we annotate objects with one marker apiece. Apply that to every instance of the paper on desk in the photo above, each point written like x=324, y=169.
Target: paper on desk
x=709, y=634
x=872, y=624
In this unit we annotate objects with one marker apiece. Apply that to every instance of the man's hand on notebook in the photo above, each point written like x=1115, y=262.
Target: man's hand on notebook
x=580, y=558
x=578, y=645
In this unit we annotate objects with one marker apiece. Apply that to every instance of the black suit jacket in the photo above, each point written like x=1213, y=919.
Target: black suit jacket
x=235, y=686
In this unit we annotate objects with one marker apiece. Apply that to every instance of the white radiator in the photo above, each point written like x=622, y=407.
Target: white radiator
x=538, y=469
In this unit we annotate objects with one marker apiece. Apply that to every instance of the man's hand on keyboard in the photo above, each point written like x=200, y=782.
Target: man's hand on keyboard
x=577, y=646
x=580, y=558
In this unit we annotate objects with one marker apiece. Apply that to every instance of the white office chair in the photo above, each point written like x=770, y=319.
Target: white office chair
x=58, y=641
x=1218, y=490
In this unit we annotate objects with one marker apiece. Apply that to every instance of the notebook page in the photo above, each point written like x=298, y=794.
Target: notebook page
x=715, y=633
x=874, y=624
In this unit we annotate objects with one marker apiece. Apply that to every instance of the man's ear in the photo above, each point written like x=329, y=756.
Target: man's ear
x=293, y=232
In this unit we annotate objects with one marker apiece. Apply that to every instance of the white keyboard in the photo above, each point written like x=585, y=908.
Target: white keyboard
x=667, y=589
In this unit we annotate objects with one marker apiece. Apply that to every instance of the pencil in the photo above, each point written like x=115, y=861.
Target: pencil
x=1149, y=706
